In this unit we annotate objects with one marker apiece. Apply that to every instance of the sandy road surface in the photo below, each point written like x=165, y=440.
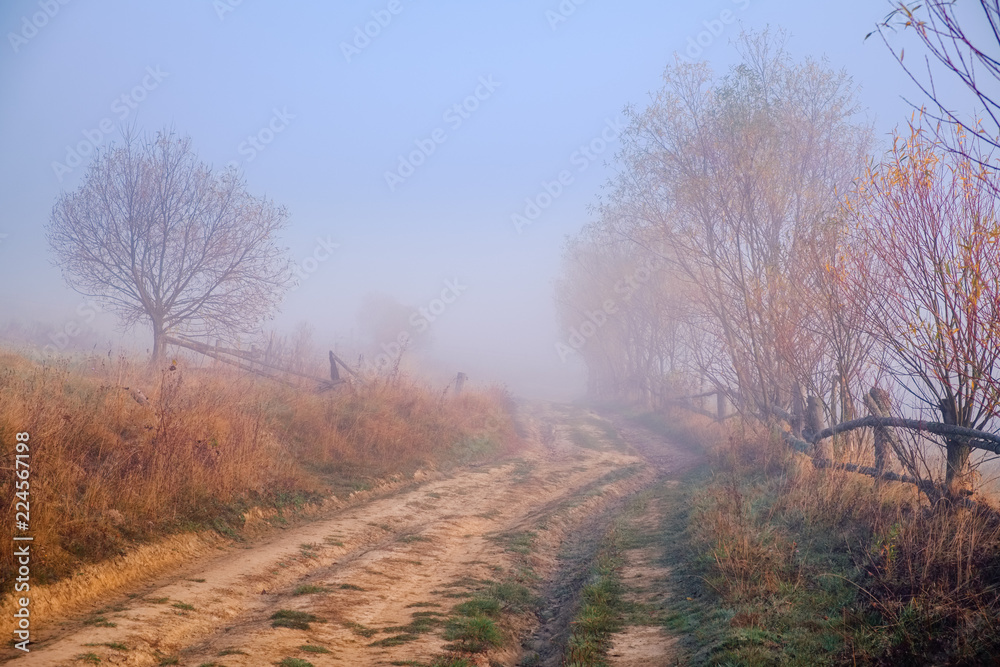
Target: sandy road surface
x=365, y=571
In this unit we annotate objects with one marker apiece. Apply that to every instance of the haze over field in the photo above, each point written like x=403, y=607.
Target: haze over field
x=563, y=332
x=402, y=155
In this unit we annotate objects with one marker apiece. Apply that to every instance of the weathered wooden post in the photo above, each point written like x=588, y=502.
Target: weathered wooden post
x=878, y=403
x=798, y=410
x=460, y=382
x=334, y=373
x=815, y=424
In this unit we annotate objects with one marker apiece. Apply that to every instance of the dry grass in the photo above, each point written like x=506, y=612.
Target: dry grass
x=837, y=567
x=108, y=471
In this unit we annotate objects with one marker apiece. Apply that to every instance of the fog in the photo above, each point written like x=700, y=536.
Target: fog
x=432, y=157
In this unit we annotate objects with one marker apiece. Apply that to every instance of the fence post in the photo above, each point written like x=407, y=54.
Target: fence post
x=334, y=373
x=815, y=424
x=879, y=405
x=460, y=382
x=798, y=410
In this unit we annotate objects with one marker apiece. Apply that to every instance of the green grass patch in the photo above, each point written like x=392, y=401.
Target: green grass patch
x=359, y=629
x=395, y=640
x=309, y=589
x=100, y=622
x=601, y=606
x=451, y=661
x=473, y=634
x=771, y=590
x=297, y=620
x=422, y=622
x=473, y=626
x=520, y=542
x=350, y=587
x=407, y=539
x=312, y=648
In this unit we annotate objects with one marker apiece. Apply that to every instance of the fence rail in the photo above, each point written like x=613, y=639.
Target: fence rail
x=886, y=439
x=976, y=438
x=249, y=362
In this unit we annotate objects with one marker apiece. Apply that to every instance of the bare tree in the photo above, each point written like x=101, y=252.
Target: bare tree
x=922, y=265
x=160, y=238
x=731, y=181
x=949, y=36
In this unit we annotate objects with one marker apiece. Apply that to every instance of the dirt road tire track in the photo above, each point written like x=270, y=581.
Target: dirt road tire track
x=371, y=565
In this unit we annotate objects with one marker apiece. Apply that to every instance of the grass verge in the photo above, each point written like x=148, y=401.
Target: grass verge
x=778, y=563
x=121, y=454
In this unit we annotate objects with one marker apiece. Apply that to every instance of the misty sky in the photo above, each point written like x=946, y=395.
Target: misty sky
x=506, y=94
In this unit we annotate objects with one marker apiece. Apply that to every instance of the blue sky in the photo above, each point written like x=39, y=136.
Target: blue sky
x=317, y=125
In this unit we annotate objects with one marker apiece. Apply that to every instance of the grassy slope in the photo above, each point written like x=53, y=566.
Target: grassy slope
x=108, y=471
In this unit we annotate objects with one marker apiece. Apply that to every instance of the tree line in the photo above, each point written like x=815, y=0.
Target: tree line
x=789, y=265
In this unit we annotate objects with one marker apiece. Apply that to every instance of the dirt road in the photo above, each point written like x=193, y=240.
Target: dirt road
x=375, y=583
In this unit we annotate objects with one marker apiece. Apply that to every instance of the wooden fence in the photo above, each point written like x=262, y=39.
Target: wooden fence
x=807, y=434
x=258, y=364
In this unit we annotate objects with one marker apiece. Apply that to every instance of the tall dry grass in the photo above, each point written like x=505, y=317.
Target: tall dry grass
x=905, y=582
x=109, y=468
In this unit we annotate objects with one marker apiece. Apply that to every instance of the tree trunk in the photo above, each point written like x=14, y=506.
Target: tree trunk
x=956, y=477
x=159, y=344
